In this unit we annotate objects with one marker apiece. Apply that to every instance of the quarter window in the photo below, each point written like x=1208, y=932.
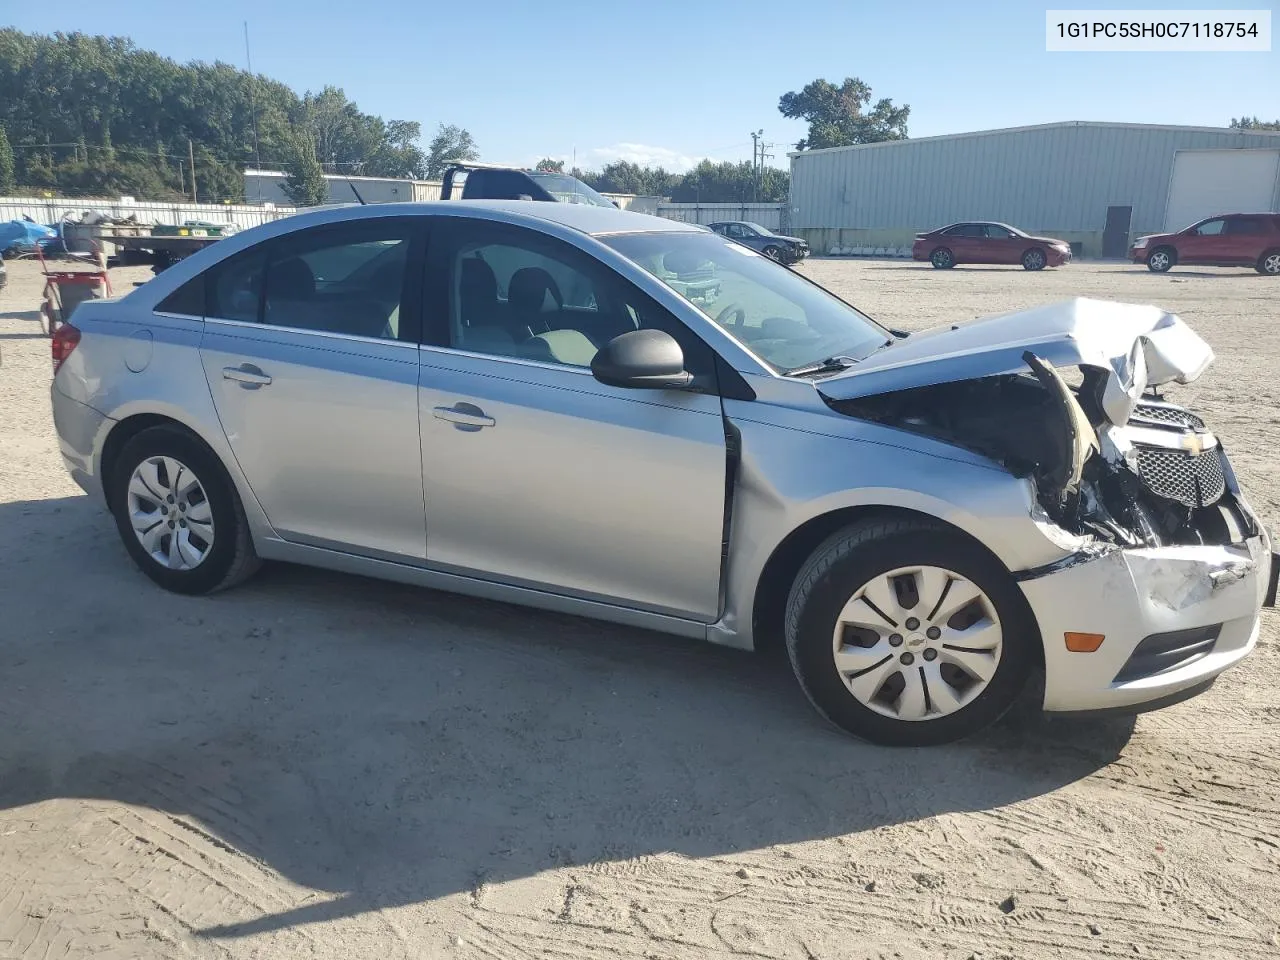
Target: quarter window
x=235, y=288
x=187, y=300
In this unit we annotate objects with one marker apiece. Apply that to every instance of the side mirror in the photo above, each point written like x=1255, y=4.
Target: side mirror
x=523, y=196
x=642, y=359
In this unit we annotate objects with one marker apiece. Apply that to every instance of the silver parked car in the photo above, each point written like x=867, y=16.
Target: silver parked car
x=509, y=400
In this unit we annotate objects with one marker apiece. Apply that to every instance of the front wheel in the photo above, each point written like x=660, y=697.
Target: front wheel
x=942, y=259
x=772, y=252
x=1033, y=259
x=906, y=634
x=1269, y=263
x=178, y=513
x=1160, y=260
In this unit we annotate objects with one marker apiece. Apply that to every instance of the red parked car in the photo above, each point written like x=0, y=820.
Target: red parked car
x=1231, y=240
x=988, y=243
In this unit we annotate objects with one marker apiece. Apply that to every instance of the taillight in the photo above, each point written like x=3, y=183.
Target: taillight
x=65, y=339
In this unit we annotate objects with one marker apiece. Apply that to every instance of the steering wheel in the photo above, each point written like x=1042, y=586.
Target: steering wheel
x=733, y=311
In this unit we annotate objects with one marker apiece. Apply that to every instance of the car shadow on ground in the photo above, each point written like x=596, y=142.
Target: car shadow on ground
x=394, y=745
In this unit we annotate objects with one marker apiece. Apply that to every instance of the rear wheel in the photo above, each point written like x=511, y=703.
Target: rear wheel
x=178, y=513
x=942, y=259
x=903, y=633
x=1033, y=259
x=1160, y=260
x=1269, y=263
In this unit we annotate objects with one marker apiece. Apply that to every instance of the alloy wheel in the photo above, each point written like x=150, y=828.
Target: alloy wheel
x=170, y=513
x=1271, y=264
x=917, y=643
x=1159, y=261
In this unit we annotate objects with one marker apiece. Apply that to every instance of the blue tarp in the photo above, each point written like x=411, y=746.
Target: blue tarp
x=23, y=234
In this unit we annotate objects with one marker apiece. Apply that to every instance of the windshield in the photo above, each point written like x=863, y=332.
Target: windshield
x=568, y=189
x=777, y=314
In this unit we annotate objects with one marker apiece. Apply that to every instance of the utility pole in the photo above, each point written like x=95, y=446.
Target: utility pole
x=764, y=155
x=191, y=156
x=253, y=109
x=756, y=149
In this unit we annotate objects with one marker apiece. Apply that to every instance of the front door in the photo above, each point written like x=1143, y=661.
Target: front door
x=536, y=474
x=1115, y=235
x=315, y=380
x=1001, y=246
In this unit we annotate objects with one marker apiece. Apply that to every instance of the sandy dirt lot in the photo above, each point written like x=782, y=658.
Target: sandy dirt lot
x=317, y=765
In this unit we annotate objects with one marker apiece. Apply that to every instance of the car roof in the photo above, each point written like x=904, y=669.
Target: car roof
x=592, y=220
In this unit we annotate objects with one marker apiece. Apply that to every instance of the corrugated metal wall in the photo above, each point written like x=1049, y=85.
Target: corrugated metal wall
x=50, y=211
x=1054, y=177
x=770, y=215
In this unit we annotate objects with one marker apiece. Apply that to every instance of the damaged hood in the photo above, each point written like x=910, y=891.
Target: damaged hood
x=1138, y=346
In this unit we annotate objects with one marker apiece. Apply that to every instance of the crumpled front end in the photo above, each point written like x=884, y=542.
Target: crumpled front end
x=1166, y=565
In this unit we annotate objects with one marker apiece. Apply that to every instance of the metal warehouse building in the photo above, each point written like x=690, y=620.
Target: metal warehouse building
x=1096, y=185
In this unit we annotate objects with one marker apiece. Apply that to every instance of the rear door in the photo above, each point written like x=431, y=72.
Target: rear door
x=966, y=241
x=1244, y=239
x=537, y=474
x=310, y=348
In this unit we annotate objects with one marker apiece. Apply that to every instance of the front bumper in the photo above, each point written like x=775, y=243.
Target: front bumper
x=1057, y=258
x=1148, y=604
x=1138, y=254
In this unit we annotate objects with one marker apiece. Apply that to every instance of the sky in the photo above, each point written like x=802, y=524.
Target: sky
x=667, y=82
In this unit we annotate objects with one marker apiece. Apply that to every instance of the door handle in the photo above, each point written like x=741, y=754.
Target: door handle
x=464, y=416
x=247, y=375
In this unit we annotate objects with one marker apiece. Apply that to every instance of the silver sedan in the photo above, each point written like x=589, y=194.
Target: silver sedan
x=523, y=401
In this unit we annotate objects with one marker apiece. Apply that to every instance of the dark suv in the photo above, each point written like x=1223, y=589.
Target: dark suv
x=1231, y=240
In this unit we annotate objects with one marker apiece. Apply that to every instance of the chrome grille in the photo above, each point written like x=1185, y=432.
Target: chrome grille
x=1171, y=415
x=1192, y=480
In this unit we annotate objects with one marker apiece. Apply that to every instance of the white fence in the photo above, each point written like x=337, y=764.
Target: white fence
x=770, y=215
x=51, y=210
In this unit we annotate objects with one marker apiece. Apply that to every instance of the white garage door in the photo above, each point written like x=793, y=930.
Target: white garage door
x=1209, y=182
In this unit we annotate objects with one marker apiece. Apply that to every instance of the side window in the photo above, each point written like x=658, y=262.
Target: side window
x=1245, y=225
x=235, y=287
x=515, y=293
x=997, y=232
x=735, y=230
x=347, y=279
x=187, y=300
x=1210, y=229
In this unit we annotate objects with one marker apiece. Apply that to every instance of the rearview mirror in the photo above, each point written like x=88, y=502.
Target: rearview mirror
x=642, y=359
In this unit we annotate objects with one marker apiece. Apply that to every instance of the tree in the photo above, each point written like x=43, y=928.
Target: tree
x=450, y=144
x=7, y=182
x=305, y=184
x=837, y=116
x=1253, y=123
x=88, y=113
x=547, y=165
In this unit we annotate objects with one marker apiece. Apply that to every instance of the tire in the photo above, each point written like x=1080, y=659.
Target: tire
x=772, y=252
x=168, y=457
x=1161, y=259
x=1269, y=263
x=942, y=259
x=962, y=703
x=1034, y=259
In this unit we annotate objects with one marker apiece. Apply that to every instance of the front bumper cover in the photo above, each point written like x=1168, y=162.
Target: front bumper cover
x=1130, y=595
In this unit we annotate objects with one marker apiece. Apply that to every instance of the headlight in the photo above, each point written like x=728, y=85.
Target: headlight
x=1140, y=243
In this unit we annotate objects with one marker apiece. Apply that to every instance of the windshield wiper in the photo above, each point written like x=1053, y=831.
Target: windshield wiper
x=830, y=364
